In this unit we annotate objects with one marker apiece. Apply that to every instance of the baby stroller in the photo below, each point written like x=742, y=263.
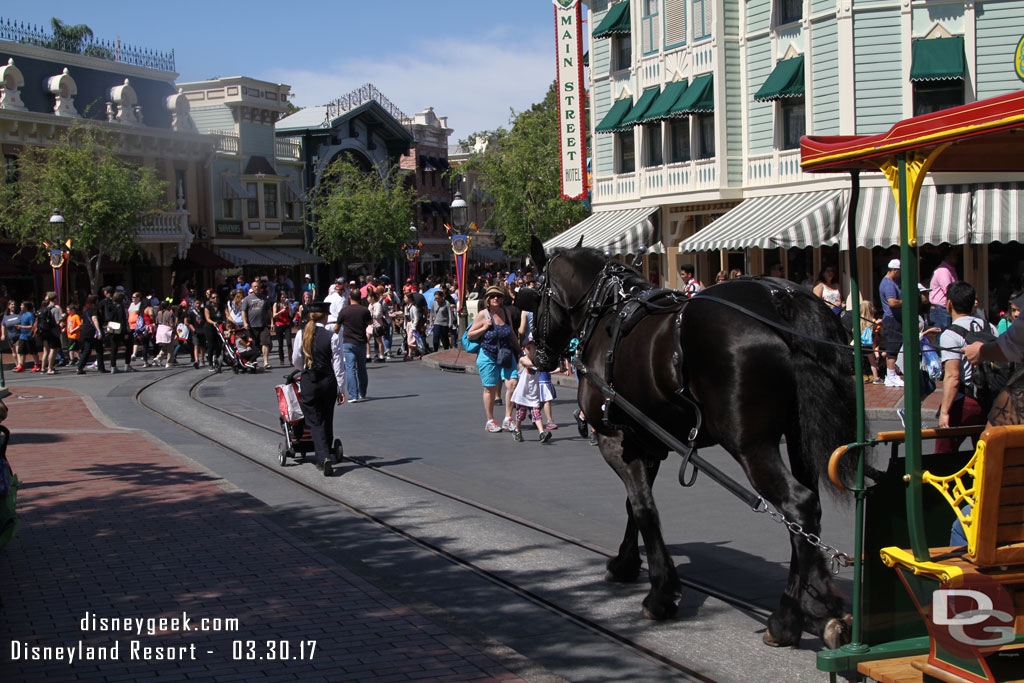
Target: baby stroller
x=297, y=440
x=229, y=353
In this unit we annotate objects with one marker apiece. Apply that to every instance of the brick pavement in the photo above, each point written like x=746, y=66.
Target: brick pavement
x=114, y=526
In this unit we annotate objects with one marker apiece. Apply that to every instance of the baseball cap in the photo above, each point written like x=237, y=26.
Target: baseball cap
x=894, y=264
x=922, y=288
x=308, y=276
x=351, y=283
x=119, y=288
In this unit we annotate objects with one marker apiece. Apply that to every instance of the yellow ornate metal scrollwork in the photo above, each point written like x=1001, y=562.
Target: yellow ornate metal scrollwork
x=917, y=169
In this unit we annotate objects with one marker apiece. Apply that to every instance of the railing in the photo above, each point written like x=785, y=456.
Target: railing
x=286, y=149
x=652, y=180
x=678, y=176
x=705, y=174
x=703, y=57
x=362, y=95
x=225, y=141
x=115, y=51
x=774, y=168
x=166, y=227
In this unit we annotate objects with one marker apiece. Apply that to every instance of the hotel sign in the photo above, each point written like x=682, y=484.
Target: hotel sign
x=573, y=140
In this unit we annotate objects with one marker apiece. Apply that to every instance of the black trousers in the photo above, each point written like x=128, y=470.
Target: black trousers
x=88, y=346
x=284, y=338
x=318, y=396
x=115, y=342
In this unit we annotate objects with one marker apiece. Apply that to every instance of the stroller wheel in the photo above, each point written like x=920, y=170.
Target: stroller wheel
x=282, y=455
x=328, y=469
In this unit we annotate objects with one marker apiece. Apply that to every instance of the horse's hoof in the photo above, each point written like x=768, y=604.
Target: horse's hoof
x=771, y=641
x=659, y=611
x=837, y=632
x=616, y=577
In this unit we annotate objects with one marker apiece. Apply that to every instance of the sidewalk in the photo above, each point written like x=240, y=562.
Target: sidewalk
x=115, y=526
x=880, y=402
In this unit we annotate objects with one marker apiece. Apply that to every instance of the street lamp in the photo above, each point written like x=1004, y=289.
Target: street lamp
x=460, y=247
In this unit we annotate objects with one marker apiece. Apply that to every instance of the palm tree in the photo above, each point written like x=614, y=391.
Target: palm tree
x=69, y=38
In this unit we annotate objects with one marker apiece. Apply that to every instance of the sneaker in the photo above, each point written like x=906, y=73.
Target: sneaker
x=113, y=371
x=19, y=368
x=901, y=413
x=506, y=425
x=894, y=381
x=79, y=372
x=92, y=365
x=878, y=380
x=492, y=426
x=550, y=425
x=581, y=424
x=195, y=364
x=593, y=439
x=518, y=436
x=545, y=436
x=35, y=368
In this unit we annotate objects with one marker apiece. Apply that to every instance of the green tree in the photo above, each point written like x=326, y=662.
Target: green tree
x=103, y=199
x=73, y=38
x=521, y=170
x=360, y=215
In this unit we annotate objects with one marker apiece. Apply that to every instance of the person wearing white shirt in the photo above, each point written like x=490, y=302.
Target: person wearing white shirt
x=318, y=353
x=335, y=299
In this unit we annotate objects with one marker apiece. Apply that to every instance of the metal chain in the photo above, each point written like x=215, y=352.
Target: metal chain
x=837, y=558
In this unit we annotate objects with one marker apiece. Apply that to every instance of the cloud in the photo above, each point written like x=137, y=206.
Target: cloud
x=474, y=84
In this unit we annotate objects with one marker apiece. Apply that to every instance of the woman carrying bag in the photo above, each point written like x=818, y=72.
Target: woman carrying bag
x=497, y=357
x=318, y=353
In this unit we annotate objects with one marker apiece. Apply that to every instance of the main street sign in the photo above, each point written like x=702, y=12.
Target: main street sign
x=571, y=117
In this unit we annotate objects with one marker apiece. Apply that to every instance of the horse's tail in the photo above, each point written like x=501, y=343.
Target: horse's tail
x=826, y=404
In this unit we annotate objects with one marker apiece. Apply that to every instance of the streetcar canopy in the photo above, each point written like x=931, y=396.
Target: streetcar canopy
x=995, y=128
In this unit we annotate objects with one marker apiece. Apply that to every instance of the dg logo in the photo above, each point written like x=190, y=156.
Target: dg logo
x=971, y=616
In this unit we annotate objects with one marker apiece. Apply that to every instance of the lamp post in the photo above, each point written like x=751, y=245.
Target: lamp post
x=460, y=247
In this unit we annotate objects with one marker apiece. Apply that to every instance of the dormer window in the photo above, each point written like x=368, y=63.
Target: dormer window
x=788, y=11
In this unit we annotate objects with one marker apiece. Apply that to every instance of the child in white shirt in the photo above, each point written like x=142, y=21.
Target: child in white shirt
x=527, y=398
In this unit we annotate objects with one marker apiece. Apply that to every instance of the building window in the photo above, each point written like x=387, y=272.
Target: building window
x=289, y=211
x=229, y=208
x=649, y=27
x=793, y=125
x=652, y=134
x=675, y=23
x=253, y=204
x=180, y=188
x=10, y=168
x=270, y=201
x=623, y=47
x=679, y=130
x=626, y=151
x=930, y=96
x=705, y=136
x=701, y=17
x=789, y=11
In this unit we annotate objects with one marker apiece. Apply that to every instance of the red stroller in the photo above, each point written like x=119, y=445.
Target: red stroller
x=298, y=441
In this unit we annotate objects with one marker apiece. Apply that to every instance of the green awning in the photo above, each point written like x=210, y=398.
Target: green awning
x=613, y=119
x=698, y=98
x=786, y=80
x=662, y=107
x=636, y=114
x=616, y=22
x=938, y=59
x=586, y=58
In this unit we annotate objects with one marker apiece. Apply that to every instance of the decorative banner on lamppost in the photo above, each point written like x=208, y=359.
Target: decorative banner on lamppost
x=460, y=248
x=58, y=257
x=411, y=254
x=572, y=124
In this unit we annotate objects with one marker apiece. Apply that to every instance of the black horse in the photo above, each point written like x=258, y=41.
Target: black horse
x=754, y=383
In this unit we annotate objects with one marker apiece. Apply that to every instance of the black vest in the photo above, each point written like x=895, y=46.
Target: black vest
x=322, y=354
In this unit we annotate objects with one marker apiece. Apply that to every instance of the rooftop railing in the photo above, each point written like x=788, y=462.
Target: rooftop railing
x=115, y=50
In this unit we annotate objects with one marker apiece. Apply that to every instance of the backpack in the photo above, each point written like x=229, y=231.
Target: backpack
x=988, y=378
x=44, y=320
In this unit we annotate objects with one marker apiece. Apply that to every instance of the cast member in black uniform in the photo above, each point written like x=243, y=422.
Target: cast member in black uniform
x=318, y=352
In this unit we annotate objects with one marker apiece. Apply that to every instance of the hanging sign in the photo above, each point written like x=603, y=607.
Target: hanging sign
x=1018, y=59
x=573, y=133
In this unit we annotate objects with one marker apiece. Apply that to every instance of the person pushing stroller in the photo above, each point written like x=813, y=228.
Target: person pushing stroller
x=318, y=353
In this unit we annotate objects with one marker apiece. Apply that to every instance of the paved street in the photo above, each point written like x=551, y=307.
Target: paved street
x=163, y=521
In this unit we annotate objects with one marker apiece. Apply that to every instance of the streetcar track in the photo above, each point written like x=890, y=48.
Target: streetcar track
x=493, y=578
x=711, y=591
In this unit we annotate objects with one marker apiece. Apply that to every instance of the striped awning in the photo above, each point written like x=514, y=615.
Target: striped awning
x=231, y=188
x=997, y=213
x=804, y=219
x=620, y=232
x=943, y=215
x=269, y=256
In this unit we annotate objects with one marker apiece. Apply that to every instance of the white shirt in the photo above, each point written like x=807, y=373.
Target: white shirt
x=337, y=356
x=336, y=301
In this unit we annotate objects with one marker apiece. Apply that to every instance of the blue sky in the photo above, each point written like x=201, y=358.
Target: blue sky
x=470, y=60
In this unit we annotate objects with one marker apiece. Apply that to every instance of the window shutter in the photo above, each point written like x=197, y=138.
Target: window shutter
x=707, y=17
x=675, y=22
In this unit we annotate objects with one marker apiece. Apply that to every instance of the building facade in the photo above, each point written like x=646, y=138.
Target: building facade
x=698, y=106
x=256, y=177
x=427, y=165
x=131, y=95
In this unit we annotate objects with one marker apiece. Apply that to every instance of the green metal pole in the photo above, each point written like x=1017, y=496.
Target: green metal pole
x=911, y=368
x=855, y=644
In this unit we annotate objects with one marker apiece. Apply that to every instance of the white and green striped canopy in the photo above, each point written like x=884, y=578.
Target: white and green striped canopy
x=799, y=219
x=943, y=215
x=620, y=232
x=998, y=213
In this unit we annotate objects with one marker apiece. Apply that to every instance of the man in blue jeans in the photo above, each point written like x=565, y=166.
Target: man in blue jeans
x=355, y=318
